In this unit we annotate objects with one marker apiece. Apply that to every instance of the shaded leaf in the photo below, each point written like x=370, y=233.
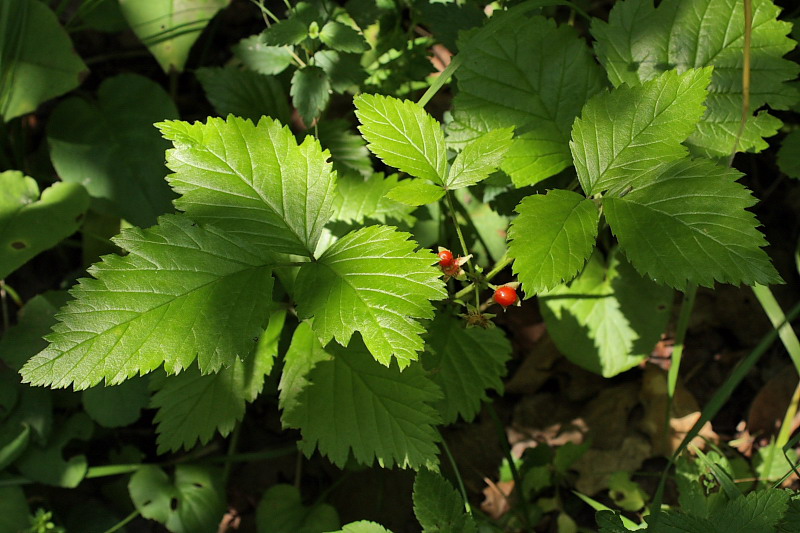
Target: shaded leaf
x=310, y=92
x=262, y=58
x=117, y=406
x=342, y=38
x=358, y=199
x=244, y=93
x=281, y=511
x=437, y=506
x=47, y=465
x=788, y=157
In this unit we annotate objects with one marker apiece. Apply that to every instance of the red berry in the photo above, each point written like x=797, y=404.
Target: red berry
x=505, y=296
x=445, y=258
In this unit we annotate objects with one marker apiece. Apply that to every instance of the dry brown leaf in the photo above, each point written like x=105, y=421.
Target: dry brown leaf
x=496, y=498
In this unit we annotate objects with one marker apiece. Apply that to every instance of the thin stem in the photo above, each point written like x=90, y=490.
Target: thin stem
x=680, y=338
x=231, y=451
x=441, y=80
x=773, y=310
x=12, y=293
x=786, y=427
x=449, y=198
x=511, y=465
x=498, y=267
x=459, y=480
x=4, y=304
x=748, y=34
x=119, y=525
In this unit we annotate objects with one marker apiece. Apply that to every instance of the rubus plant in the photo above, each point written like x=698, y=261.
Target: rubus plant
x=295, y=266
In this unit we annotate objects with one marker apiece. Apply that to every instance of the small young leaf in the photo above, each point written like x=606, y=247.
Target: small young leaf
x=281, y=511
x=704, y=232
x=623, y=136
x=182, y=293
x=438, y=506
x=285, y=32
x=252, y=181
x=788, y=158
x=261, y=58
x=403, y=135
x=351, y=404
x=552, y=238
x=414, y=192
x=371, y=281
x=310, y=92
x=479, y=158
x=244, y=93
x=342, y=38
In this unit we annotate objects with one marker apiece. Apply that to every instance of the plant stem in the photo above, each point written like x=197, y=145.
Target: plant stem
x=748, y=33
x=231, y=450
x=123, y=522
x=501, y=433
x=776, y=316
x=449, y=198
x=680, y=338
x=498, y=267
x=457, y=473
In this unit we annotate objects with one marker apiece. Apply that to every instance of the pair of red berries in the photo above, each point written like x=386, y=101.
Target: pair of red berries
x=503, y=295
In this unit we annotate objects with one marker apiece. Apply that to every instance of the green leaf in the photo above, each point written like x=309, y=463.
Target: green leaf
x=403, y=135
x=117, y=406
x=281, y=511
x=191, y=503
x=244, y=93
x=342, y=38
x=624, y=135
x=757, y=511
x=285, y=32
x=363, y=526
x=344, y=70
x=480, y=158
x=533, y=76
x=310, y=92
x=371, y=281
x=169, y=29
x=608, y=319
x=353, y=405
x=47, y=465
x=414, y=192
x=437, y=506
x=252, y=181
x=788, y=157
x=262, y=58
x=358, y=199
x=182, y=293
x=14, y=510
x=704, y=232
x=465, y=363
x=303, y=354
x=552, y=238
x=29, y=224
x=626, y=493
x=790, y=522
x=640, y=42
x=34, y=47
x=348, y=150
x=111, y=147
x=24, y=340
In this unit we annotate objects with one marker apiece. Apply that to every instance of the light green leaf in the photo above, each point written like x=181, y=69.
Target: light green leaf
x=608, y=319
x=788, y=158
x=117, y=406
x=261, y=58
x=371, y=281
x=552, y=238
x=244, y=93
x=480, y=158
x=254, y=182
x=29, y=224
x=533, y=76
x=353, y=405
x=191, y=503
x=342, y=38
x=403, y=135
x=169, y=29
x=310, y=92
x=285, y=32
x=640, y=42
x=363, y=526
x=437, y=506
x=358, y=199
x=415, y=192
x=47, y=464
x=623, y=136
x=111, y=147
x=281, y=511
x=182, y=293
x=348, y=150
x=465, y=363
x=34, y=47
x=704, y=234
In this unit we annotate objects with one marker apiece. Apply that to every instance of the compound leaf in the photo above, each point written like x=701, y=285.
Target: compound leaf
x=351, y=404
x=438, y=506
x=253, y=181
x=244, y=93
x=371, y=281
x=182, y=293
x=552, y=238
x=640, y=42
x=480, y=158
x=624, y=135
x=403, y=135
x=704, y=232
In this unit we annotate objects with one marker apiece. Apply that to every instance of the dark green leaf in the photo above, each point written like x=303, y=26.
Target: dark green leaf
x=244, y=93
x=310, y=92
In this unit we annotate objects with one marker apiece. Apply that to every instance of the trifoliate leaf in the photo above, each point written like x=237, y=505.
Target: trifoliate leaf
x=244, y=93
x=531, y=75
x=47, y=465
x=169, y=29
x=552, y=238
x=465, y=363
x=253, y=181
x=704, y=232
x=403, y=135
x=281, y=511
x=358, y=199
x=34, y=47
x=29, y=224
x=438, y=506
x=788, y=158
x=262, y=58
x=363, y=527
x=182, y=293
x=480, y=158
x=609, y=318
x=310, y=92
x=415, y=192
x=371, y=281
x=640, y=42
x=289, y=31
x=348, y=150
x=624, y=135
x=110, y=147
x=117, y=406
x=352, y=404
x=191, y=503
x=342, y=37
x=344, y=70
